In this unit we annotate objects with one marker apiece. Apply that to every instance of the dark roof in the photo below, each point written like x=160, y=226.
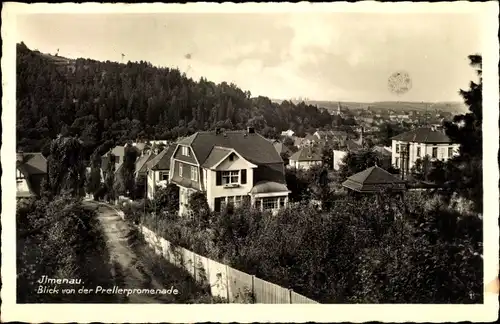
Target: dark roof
x=215, y=156
x=32, y=163
x=162, y=160
x=306, y=154
x=252, y=146
x=423, y=135
x=372, y=180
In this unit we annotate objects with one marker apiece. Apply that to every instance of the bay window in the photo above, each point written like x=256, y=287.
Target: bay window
x=270, y=203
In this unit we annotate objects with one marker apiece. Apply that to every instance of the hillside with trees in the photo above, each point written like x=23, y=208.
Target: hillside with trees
x=100, y=102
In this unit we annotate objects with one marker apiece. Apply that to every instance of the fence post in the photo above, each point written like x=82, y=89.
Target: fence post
x=194, y=264
x=253, y=288
x=290, y=291
x=227, y=283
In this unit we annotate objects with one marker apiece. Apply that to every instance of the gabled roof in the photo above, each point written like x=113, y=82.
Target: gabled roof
x=372, y=180
x=140, y=165
x=32, y=163
x=252, y=146
x=217, y=154
x=162, y=160
x=118, y=150
x=423, y=135
x=307, y=154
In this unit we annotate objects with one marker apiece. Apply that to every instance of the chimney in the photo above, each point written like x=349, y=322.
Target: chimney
x=250, y=130
x=217, y=131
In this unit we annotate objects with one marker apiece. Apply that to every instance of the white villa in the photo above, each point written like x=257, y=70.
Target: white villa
x=230, y=167
x=421, y=142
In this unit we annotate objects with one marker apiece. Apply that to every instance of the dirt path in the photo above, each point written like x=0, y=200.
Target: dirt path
x=125, y=259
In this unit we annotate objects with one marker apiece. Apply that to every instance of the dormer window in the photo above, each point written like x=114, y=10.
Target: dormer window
x=185, y=151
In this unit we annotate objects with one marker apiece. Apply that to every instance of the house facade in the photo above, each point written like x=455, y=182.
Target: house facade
x=230, y=168
x=421, y=142
x=158, y=171
x=306, y=158
x=31, y=170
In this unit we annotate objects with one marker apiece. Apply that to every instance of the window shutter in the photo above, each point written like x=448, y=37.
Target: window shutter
x=243, y=176
x=219, y=178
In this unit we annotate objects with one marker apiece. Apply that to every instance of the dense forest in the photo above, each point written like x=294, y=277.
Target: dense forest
x=102, y=102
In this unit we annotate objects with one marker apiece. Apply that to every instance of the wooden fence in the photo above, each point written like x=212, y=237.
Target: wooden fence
x=234, y=285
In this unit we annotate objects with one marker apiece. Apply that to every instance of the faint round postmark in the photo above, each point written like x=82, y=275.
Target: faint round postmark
x=399, y=82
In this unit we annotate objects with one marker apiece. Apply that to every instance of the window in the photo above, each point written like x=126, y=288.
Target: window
x=282, y=202
x=218, y=203
x=237, y=201
x=185, y=151
x=418, y=151
x=19, y=175
x=270, y=203
x=230, y=200
x=450, y=152
x=434, y=152
x=223, y=203
x=258, y=203
x=397, y=148
x=194, y=173
x=231, y=157
x=396, y=162
x=164, y=176
x=180, y=169
x=229, y=177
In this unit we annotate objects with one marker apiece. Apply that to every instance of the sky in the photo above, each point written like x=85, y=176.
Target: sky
x=320, y=56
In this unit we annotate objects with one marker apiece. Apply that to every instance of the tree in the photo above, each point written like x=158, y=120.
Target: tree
x=93, y=181
x=126, y=176
x=327, y=157
x=100, y=100
x=66, y=171
x=166, y=199
x=354, y=162
x=109, y=178
x=200, y=210
x=55, y=238
x=465, y=176
x=421, y=168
